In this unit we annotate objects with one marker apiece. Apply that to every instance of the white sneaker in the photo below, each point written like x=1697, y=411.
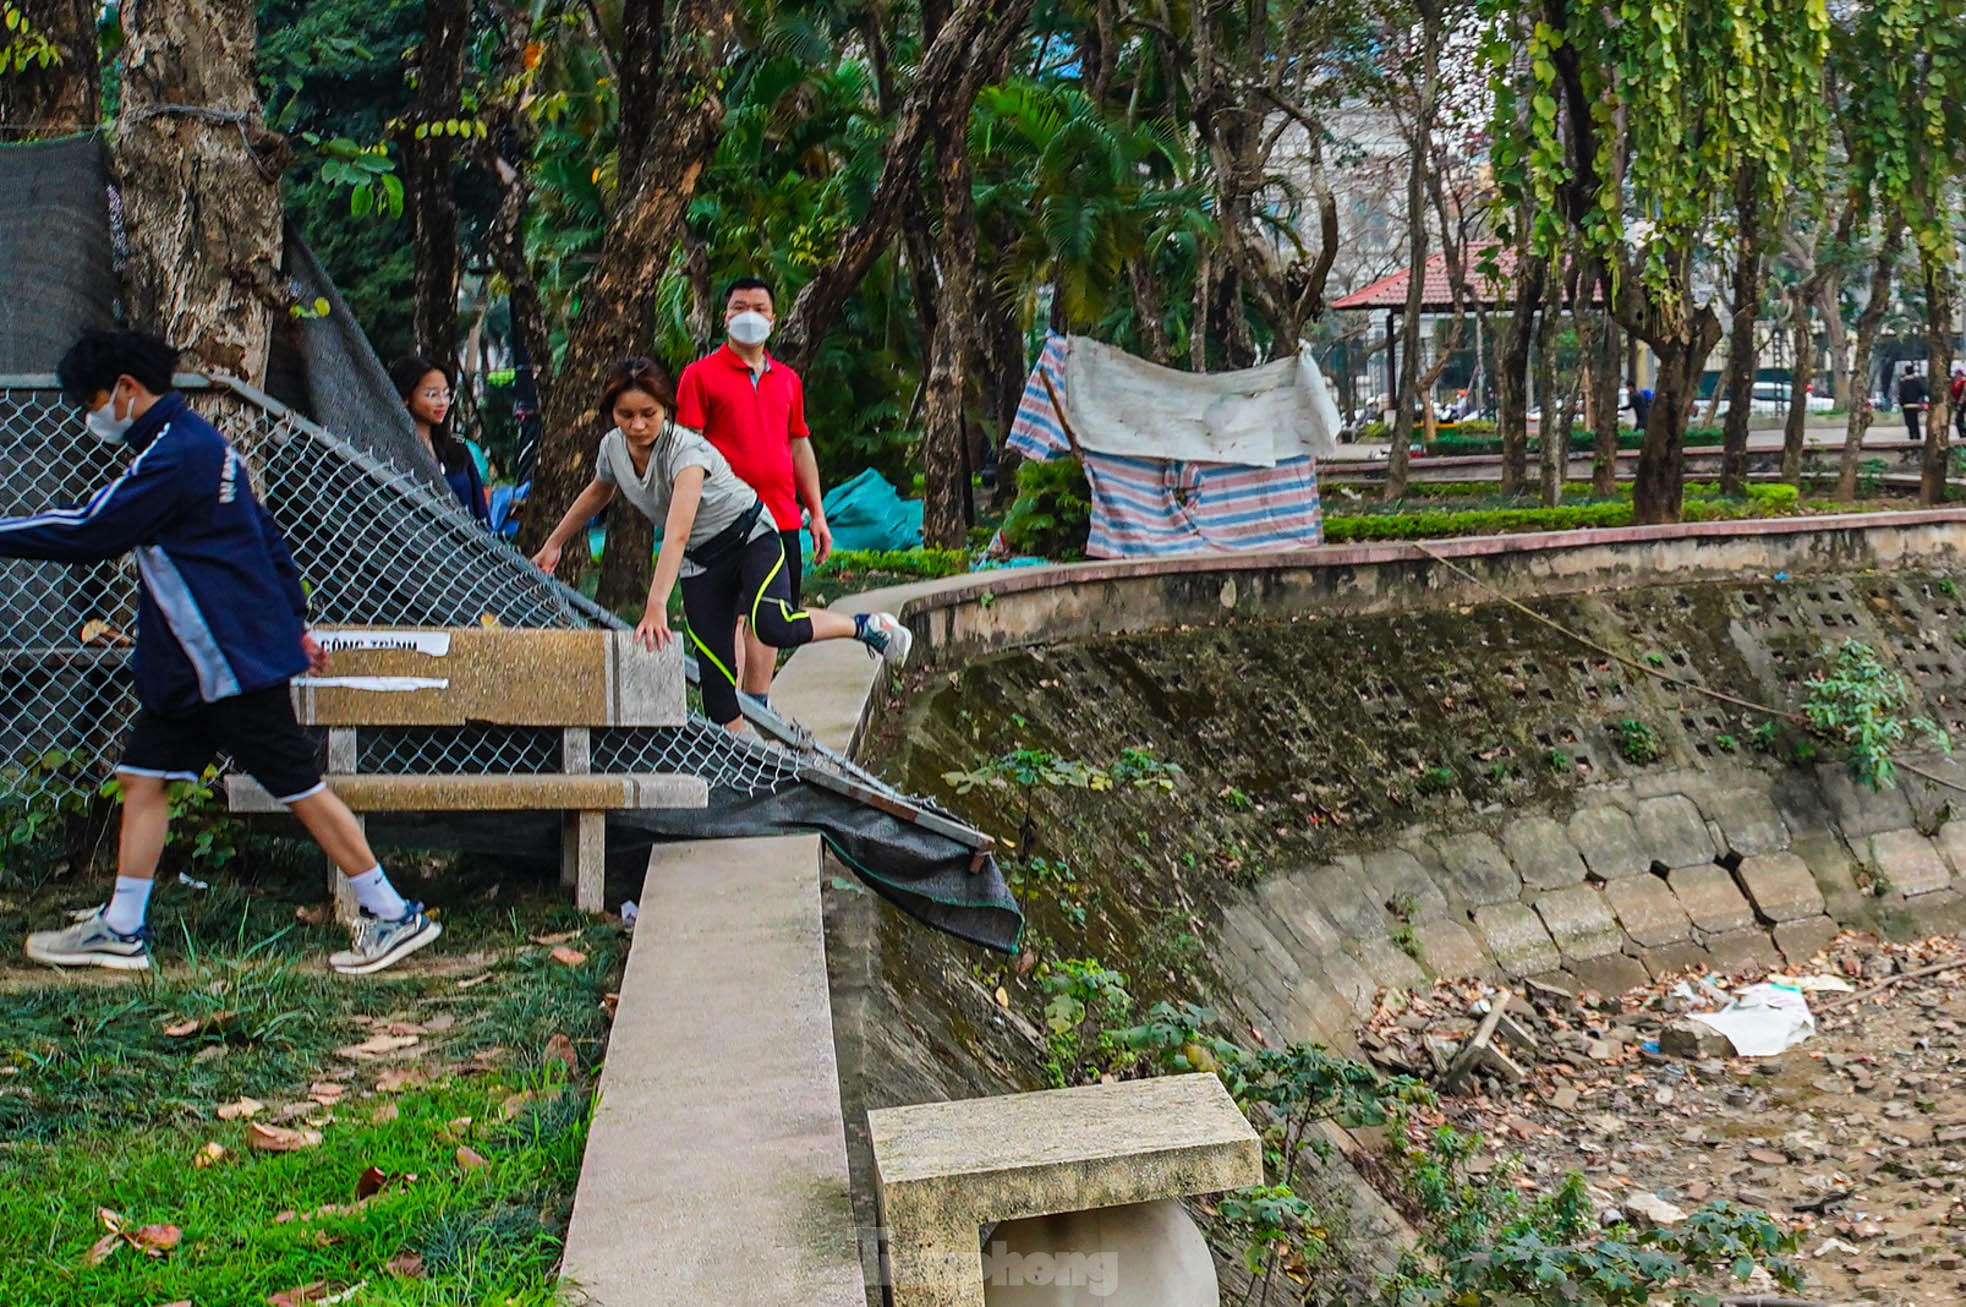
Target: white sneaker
x=888, y=638
x=380, y=943
x=91, y=942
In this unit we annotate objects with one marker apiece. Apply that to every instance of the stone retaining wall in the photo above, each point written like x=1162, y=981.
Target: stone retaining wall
x=1726, y=867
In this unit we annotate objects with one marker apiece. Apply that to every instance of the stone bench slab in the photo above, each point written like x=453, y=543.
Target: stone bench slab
x=945, y=1169
x=492, y=793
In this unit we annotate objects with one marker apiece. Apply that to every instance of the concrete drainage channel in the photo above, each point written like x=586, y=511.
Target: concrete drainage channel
x=1618, y=878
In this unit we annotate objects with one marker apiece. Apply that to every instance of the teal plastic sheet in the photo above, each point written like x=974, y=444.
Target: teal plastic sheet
x=867, y=512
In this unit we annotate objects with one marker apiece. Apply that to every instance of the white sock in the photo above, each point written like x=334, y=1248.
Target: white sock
x=377, y=896
x=128, y=905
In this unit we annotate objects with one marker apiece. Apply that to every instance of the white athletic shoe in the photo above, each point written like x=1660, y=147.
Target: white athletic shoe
x=91, y=942
x=380, y=943
x=887, y=637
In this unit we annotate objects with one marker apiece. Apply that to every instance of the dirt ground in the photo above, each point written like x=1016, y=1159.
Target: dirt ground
x=1855, y=1138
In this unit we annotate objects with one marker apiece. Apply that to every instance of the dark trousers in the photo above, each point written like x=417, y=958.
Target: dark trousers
x=754, y=583
x=1911, y=421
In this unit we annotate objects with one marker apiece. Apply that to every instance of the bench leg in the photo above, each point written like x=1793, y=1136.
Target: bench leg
x=347, y=908
x=583, y=858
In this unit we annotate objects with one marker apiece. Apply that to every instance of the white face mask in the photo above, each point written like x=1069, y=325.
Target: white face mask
x=105, y=426
x=750, y=328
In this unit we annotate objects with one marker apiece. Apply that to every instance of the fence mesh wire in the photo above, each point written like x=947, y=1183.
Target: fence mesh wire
x=374, y=545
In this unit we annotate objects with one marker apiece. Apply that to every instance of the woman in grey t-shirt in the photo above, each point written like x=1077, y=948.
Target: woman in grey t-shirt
x=716, y=539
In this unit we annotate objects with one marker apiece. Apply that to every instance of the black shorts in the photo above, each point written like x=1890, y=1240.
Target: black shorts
x=258, y=730
x=794, y=563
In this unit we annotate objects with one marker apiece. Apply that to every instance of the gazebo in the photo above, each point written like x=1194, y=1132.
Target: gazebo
x=1485, y=289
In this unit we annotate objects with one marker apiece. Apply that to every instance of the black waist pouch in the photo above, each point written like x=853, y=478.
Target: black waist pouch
x=727, y=541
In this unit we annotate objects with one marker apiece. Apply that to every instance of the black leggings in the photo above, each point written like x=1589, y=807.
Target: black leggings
x=752, y=583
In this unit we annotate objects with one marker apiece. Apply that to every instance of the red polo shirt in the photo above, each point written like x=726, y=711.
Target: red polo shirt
x=751, y=422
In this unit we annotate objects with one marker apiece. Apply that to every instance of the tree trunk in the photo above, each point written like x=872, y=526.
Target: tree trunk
x=200, y=183
x=1604, y=349
x=1802, y=374
x=1659, y=485
x=429, y=179
x=66, y=96
x=1147, y=310
x=1554, y=461
x=617, y=300
x=1741, y=358
x=945, y=465
x=971, y=43
x=1857, y=420
x=1512, y=373
x=1939, y=323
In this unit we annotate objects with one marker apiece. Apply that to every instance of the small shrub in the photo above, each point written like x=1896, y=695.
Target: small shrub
x=1559, y=761
x=1407, y=942
x=1860, y=705
x=1637, y=743
x=1052, y=514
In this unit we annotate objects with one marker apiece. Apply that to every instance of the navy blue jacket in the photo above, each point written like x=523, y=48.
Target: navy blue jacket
x=222, y=611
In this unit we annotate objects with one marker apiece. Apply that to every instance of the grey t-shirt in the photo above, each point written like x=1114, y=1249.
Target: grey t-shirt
x=725, y=498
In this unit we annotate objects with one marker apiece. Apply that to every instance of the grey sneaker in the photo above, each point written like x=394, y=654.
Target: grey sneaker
x=91, y=942
x=887, y=637
x=380, y=943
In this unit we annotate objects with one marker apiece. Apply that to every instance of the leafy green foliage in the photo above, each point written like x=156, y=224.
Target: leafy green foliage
x=1860, y=705
x=1430, y=523
x=1052, y=514
x=24, y=46
x=1638, y=744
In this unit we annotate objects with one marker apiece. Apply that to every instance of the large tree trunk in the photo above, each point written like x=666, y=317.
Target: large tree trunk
x=1741, y=358
x=1409, y=398
x=1147, y=310
x=1857, y=422
x=971, y=42
x=617, y=300
x=65, y=96
x=1659, y=485
x=1512, y=372
x=1802, y=375
x=1603, y=350
x=429, y=179
x=1554, y=461
x=1939, y=323
x=200, y=182
x=945, y=464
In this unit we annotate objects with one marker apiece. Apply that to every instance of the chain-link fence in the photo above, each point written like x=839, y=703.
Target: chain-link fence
x=375, y=545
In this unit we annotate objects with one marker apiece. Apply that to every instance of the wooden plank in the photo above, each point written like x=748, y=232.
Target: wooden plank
x=501, y=793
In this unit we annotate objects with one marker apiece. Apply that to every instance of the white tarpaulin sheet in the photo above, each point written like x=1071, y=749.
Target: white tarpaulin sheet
x=1258, y=417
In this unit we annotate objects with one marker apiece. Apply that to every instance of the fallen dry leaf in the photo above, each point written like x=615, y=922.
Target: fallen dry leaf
x=470, y=981
x=210, y=1155
x=313, y=914
x=101, y=1249
x=156, y=1240
x=244, y=1107
x=327, y=1092
x=306, y=1293
x=609, y=1002
x=568, y=957
x=97, y=632
x=385, y=1113
x=548, y=941
x=182, y=1302
x=179, y=1029
x=437, y=1025
x=469, y=1158
x=370, y=1182
x=280, y=1139
x=560, y=1049
x=1003, y=998
x=396, y=1080
x=379, y=1046
x=404, y=1028
x=1025, y=963
x=408, y=1265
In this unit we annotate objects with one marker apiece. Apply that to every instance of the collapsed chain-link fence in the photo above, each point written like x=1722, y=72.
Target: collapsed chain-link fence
x=375, y=545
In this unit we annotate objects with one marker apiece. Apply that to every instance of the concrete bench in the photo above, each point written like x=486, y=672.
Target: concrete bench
x=573, y=681
x=948, y=1169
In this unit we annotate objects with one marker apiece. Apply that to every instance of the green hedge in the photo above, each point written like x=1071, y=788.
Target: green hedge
x=1426, y=524
x=1463, y=441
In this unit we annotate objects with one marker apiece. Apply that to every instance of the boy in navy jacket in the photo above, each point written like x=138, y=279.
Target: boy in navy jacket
x=221, y=629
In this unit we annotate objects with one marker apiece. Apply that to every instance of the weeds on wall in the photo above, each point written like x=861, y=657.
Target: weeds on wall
x=1860, y=705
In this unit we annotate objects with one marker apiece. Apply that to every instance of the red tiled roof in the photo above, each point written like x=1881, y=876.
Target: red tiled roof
x=1436, y=294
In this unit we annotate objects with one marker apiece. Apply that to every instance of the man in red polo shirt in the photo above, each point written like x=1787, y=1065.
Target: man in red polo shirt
x=753, y=409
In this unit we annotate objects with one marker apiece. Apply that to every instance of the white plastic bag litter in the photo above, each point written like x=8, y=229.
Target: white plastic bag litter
x=1763, y=1020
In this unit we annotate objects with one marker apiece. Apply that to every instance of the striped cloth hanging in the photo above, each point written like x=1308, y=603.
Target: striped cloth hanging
x=1155, y=507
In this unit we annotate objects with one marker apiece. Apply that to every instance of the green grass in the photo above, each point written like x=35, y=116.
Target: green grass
x=100, y=1107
